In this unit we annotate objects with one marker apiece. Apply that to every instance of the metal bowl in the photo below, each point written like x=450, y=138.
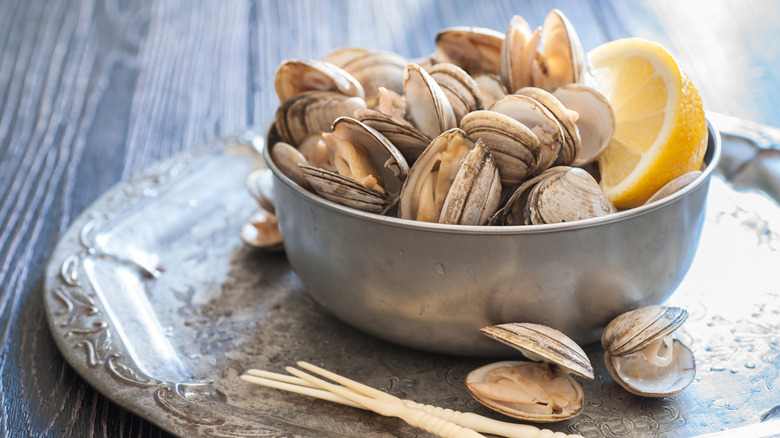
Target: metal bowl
x=432, y=286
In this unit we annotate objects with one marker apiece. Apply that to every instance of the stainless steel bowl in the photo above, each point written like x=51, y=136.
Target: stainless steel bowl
x=432, y=286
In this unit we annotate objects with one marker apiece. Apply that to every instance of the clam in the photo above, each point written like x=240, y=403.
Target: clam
x=408, y=139
x=372, y=69
x=294, y=76
x=539, y=119
x=566, y=119
x=260, y=183
x=311, y=113
x=559, y=194
x=674, y=185
x=562, y=59
x=595, y=120
x=427, y=107
x=454, y=181
x=490, y=88
x=369, y=170
x=518, y=54
x=287, y=159
x=641, y=354
x=474, y=49
x=461, y=90
x=540, y=391
x=515, y=148
x=262, y=231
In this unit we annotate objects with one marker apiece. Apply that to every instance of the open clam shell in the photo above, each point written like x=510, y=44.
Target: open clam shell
x=427, y=107
x=532, y=391
x=366, y=152
x=372, y=69
x=641, y=355
x=474, y=49
x=294, y=76
x=571, y=133
x=311, y=113
x=562, y=55
x=461, y=90
x=595, y=120
x=454, y=181
x=539, y=120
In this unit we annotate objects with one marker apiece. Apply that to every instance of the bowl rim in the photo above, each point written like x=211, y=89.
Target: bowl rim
x=713, y=151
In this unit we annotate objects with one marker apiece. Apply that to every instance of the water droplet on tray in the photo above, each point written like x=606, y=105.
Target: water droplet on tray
x=440, y=268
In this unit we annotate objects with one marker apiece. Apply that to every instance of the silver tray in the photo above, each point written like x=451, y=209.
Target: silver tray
x=152, y=298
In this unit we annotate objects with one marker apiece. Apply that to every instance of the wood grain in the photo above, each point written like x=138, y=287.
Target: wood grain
x=94, y=91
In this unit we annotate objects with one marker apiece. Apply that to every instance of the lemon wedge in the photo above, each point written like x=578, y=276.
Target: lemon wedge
x=661, y=132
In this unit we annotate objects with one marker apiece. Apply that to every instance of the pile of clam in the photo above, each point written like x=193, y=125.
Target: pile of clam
x=491, y=129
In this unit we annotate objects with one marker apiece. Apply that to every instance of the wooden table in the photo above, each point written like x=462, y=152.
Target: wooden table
x=92, y=92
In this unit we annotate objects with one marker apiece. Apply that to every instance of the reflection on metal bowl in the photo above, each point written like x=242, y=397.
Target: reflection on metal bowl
x=433, y=286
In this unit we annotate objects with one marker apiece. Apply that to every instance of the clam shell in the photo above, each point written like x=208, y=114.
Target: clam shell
x=385, y=158
x=567, y=195
x=479, y=375
x=635, y=330
x=562, y=53
x=518, y=53
x=675, y=378
x=539, y=119
x=408, y=139
x=427, y=107
x=474, y=49
x=287, y=159
x=260, y=183
x=312, y=112
x=476, y=190
x=261, y=231
x=443, y=156
x=541, y=343
x=461, y=90
x=294, y=76
x=674, y=185
x=374, y=69
x=571, y=134
x=595, y=121
x=515, y=148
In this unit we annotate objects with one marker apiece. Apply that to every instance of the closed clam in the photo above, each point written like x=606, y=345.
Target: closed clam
x=643, y=357
x=513, y=145
x=559, y=194
x=369, y=170
x=540, y=391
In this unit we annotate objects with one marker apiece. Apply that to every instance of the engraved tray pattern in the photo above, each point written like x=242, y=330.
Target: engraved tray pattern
x=152, y=298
